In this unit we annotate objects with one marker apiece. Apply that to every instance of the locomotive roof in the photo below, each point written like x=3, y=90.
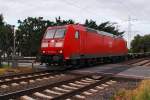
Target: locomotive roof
x=88, y=29
x=102, y=32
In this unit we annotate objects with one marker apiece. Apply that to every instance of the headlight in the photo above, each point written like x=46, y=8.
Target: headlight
x=43, y=51
x=53, y=41
x=58, y=44
x=44, y=44
x=60, y=51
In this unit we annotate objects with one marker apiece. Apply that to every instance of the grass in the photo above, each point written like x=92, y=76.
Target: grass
x=5, y=66
x=142, y=92
x=4, y=69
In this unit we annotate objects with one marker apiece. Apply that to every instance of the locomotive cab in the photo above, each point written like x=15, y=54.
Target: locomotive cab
x=52, y=45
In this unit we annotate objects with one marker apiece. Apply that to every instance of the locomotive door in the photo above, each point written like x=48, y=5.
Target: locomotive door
x=80, y=41
x=76, y=45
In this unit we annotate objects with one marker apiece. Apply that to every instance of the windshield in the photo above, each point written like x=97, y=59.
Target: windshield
x=49, y=34
x=55, y=33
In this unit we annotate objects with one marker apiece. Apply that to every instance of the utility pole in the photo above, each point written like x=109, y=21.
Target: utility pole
x=14, y=63
x=14, y=44
x=0, y=58
x=130, y=20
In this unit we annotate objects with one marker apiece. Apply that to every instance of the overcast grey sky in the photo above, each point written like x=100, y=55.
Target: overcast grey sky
x=99, y=10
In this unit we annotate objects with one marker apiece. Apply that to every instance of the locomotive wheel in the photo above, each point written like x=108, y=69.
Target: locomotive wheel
x=113, y=59
x=87, y=63
x=105, y=60
x=75, y=63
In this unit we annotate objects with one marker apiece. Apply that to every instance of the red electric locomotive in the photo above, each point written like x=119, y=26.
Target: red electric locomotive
x=74, y=44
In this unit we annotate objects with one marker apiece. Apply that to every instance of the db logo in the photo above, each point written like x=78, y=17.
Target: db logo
x=110, y=44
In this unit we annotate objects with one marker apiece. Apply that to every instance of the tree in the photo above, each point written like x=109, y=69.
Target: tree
x=1, y=24
x=106, y=26
x=141, y=43
x=29, y=35
x=6, y=38
x=59, y=21
x=135, y=44
x=1, y=20
x=91, y=24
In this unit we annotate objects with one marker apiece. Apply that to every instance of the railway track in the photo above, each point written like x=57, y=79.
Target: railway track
x=22, y=74
x=141, y=62
x=72, y=89
x=18, y=83
x=26, y=77
x=138, y=62
x=84, y=84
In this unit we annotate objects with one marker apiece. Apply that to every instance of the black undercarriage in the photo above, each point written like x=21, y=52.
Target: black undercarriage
x=51, y=58
x=58, y=60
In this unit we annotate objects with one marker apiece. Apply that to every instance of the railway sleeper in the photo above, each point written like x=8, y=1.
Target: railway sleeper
x=25, y=97
x=76, y=85
x=69, y=87
x=61, y=89
x=53, y=92
x=41, y=95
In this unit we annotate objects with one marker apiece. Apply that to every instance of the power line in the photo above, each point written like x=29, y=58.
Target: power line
x=133, y=6
x=82, y=9
x=130, y=20
x=129, y=10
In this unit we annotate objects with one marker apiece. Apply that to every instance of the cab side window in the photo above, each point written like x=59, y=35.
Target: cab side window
x=77, y=35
